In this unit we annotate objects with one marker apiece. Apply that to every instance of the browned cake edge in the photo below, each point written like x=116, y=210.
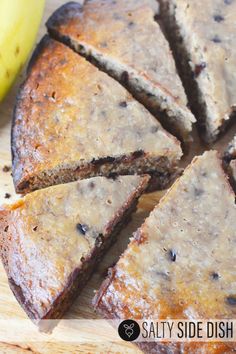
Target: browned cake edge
x=187, y=75
x=60, y=17
x=229, y=157
x=80, y=276
x=161, y=171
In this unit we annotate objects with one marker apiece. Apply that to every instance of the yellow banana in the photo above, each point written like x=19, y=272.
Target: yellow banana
x=19, y=23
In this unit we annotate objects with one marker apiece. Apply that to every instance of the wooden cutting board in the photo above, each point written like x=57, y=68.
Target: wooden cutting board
x=9, y=308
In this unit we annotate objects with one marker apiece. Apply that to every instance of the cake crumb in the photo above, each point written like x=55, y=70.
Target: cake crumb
x=7, y=195
x=6, y=168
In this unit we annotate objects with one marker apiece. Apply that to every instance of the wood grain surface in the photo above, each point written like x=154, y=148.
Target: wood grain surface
x=9, y=308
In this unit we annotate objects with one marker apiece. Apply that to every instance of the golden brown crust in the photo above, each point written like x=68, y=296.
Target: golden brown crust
x=72, y=121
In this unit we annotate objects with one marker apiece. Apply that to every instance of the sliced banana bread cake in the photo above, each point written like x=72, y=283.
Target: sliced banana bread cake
x=73, y=121
x=181, y=262
x=204, y=40
x=123, y=38
x=51, y=239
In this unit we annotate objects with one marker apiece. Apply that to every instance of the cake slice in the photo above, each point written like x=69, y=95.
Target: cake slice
x=73, y=121
x=51, y=240
x=187, y=248
x=203, y=38
x=123, y=38
x=230, y=158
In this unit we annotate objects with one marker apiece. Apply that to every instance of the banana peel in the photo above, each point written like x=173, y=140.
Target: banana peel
x=19, y=24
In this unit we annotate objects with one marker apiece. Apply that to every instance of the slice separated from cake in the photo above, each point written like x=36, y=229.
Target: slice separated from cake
x=181, y=262
x=73, y=121
x=52, y=239
x=123, y=38
x=203, y=38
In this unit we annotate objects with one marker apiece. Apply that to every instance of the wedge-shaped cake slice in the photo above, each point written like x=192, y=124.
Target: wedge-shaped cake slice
x=204, y=39
x=230, y=158
x=188, y=256
x=124, y=39
x=73, y=121
x=52, y=239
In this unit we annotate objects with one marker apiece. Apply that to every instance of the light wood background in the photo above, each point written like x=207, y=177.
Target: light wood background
x=9, y=308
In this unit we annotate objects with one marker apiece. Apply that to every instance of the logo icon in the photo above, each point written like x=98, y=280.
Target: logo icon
x=129, y=330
